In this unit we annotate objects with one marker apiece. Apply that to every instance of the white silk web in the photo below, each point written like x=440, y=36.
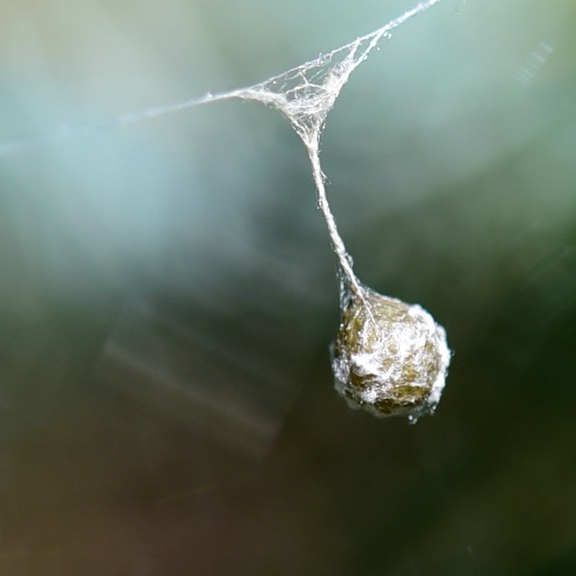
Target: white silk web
x=304, y=96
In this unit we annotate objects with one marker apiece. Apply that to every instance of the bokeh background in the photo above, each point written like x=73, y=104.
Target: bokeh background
x=167, y=292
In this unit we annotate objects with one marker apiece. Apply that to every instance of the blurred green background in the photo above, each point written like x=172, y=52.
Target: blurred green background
x=167, y=292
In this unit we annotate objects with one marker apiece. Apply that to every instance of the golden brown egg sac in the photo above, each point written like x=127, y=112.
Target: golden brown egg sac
x=389, y=358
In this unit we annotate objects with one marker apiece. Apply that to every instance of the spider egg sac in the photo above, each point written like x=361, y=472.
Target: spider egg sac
x=389, y=358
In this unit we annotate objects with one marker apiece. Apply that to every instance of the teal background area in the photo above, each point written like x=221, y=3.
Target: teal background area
x=168, y=297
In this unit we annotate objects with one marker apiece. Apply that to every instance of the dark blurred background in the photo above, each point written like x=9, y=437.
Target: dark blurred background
x=167, y=292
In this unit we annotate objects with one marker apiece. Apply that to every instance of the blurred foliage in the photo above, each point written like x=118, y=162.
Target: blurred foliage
x=167, y=293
